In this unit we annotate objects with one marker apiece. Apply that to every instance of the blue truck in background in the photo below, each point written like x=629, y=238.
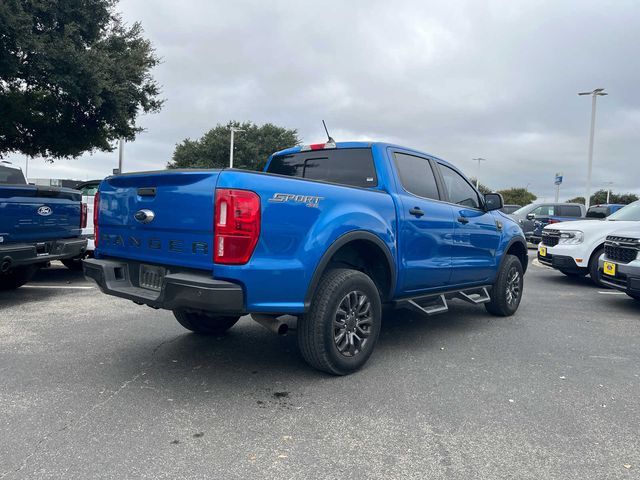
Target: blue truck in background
x=328, y=233
x=37, y=225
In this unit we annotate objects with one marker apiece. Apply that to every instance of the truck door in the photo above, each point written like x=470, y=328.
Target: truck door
x=425, y=226
x=476, y=236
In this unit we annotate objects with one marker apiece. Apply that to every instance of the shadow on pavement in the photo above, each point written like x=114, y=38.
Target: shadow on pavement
x=248, y=351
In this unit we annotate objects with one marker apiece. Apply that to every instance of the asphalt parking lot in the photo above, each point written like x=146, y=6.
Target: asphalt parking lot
x=97, y=387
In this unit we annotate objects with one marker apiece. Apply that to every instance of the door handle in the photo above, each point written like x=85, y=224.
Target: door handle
x=463, y=220
x=416, y=211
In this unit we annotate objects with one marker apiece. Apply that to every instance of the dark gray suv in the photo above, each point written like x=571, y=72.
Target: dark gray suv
x=541, y=212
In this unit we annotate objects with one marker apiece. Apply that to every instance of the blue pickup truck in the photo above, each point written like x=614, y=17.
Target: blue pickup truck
x=37, y=224
x=328, y=233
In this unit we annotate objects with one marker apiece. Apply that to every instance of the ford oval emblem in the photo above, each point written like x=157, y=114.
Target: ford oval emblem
x=144, y=216
x=45, y=211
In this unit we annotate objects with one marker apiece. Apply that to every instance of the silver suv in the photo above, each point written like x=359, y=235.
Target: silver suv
x=619, y=267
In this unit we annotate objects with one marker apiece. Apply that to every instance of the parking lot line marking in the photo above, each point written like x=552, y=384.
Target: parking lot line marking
x=62, y=287
x=538, y=264
x=611, y=293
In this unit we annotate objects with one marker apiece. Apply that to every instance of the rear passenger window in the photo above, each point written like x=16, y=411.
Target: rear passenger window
x=349, y=166
x=570, y=211
x=460, y=191
x=416, y=175
x=544, y=210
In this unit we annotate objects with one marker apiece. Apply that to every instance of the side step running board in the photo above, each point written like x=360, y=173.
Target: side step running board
x=431, y=306
x=434, y=304
x=477, y=296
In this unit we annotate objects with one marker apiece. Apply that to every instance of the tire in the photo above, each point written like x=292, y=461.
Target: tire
x=507, y=291
x=635, y=296
x=73, y=263
x=574, y=274
x=17, y=277
x=341, y=343
x=204, y=324
x=593, y=268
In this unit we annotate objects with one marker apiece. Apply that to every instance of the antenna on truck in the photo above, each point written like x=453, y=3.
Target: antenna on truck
x=329, y=137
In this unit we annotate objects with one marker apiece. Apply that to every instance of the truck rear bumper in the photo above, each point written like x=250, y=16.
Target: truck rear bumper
x=19, y=254
x=183, y=290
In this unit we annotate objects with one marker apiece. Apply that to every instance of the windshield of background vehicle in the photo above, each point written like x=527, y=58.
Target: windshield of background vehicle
x=629, y=213
x=11, y=176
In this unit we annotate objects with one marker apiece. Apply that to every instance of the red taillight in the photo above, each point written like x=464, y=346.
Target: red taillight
x=96, y=210
x=236, y=225
x=83, y=215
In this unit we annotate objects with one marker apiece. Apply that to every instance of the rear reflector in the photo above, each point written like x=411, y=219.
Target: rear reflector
x=83, y=215
x=96, y=210
x=236, y=225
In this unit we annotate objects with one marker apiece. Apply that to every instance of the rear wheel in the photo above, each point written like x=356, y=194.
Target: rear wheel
x=507, y=291
x=72, y=263
x=205, y=324
x=16, y=277
x=340, y=330
x=593, y=268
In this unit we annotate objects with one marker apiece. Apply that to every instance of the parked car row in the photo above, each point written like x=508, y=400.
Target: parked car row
x=607, y=250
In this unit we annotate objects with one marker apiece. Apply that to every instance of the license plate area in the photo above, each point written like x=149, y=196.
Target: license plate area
x=543, y=251
x=609, y=268
x=151, y=277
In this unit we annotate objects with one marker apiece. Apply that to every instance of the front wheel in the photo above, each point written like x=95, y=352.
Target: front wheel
x=593, y=268
x=340, y=330
x=205, y=324
x=507, y=291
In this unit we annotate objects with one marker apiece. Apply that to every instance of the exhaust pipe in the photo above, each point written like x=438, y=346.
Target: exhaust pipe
x=5, y=266
x=273, y=324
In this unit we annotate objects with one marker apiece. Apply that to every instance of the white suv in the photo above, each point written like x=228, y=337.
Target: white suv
x=88, y=190
x=575, y=247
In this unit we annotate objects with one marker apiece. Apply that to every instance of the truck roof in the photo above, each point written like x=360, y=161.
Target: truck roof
x=341, y=145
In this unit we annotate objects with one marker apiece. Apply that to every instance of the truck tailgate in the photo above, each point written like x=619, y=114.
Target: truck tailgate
x=30, y=213
x=159, y=217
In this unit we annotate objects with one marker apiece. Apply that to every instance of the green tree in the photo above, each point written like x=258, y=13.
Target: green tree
x=517, y=196
x=73, y=77
x=482, y=188
x=252, y=146
x=600, y=197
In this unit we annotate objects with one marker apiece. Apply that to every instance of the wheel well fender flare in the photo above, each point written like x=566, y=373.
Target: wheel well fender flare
x=511, y=243
x=341, y=242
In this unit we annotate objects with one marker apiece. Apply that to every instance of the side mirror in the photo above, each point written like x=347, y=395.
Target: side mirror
x=493, y=201
x=531, y=216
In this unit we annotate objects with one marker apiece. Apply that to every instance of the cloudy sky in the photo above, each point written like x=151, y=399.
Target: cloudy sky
x=496, y=79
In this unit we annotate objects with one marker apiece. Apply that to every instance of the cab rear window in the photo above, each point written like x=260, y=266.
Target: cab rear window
x=349, y=166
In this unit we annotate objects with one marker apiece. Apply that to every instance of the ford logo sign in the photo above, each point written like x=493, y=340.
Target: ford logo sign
x=144, y=216
x=45, y=211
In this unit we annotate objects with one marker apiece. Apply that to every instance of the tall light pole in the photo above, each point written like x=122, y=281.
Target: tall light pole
x=478, y=176
x=233, y=131
x=598, y=92
x=120, y=155
x=608, y=185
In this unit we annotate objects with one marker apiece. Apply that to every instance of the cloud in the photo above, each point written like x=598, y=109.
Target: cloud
x=495, y=79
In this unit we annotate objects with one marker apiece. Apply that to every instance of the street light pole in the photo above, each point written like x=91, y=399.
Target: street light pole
x=233, y=131
x=120, y=155
x=608, y=185
x=478, y=176
x=594, y=94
